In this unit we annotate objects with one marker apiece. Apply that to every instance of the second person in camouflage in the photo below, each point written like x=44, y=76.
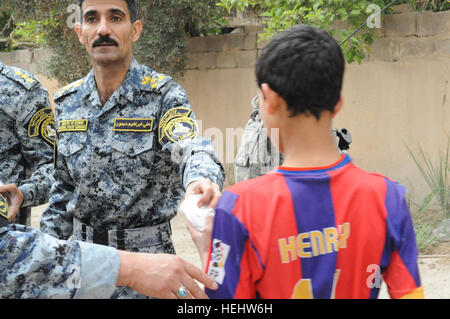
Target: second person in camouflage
x=27, y=137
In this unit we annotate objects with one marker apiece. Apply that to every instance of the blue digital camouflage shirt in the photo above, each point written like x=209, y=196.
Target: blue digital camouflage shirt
x=36, y=265
x=27, y=135
x=125, y=164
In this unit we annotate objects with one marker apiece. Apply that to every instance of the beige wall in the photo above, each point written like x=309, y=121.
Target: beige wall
x=400, y=95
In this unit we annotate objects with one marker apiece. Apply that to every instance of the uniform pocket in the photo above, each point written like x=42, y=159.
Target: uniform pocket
x=70, y=143
x=71, y=146
x=133, y=156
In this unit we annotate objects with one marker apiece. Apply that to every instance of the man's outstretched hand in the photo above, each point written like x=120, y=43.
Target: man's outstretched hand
x=210, y=192
x=161, y=276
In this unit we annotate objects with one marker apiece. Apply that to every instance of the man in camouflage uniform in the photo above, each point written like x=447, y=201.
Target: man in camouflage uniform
x=256, y=155
x=36, y=265
x=126, y=153
x=27, y=138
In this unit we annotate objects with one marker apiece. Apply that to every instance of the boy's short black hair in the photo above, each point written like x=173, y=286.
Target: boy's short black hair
x=305, y=66
x=132, y=7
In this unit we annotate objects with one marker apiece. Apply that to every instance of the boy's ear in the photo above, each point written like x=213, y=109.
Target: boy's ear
x=338, y=106
x=272, y=99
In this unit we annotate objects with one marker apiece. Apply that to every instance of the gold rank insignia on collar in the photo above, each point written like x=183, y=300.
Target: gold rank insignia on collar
x=68, y=89
x=133, y=125
x=3, y=207
x=73, y=126
x=24, y=76
x=153, y=81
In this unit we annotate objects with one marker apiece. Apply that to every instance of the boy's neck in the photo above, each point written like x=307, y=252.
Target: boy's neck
x=307, y=142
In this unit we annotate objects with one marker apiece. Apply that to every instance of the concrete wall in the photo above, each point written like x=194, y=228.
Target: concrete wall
x=399, y=96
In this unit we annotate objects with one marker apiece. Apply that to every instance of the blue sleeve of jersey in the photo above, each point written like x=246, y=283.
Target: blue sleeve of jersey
x=229, y=239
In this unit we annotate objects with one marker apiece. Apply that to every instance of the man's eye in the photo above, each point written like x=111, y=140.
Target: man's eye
x=90, y=19
x=116, y=18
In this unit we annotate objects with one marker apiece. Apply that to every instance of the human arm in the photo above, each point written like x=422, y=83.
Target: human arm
x=56, y=220
x=195, y=155
x=35, y=129
x=36, y=265
x=401, y=273
x=227, y=252
x=26, y=146
x=160, y=275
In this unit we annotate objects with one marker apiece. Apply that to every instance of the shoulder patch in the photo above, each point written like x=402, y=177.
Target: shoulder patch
x=26, y=79
x=72, y=87
x=178, y=128
x=154, y=82
x=176, y=112
x=42, y=125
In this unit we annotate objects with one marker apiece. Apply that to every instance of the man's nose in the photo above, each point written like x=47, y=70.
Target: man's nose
x=104, y=28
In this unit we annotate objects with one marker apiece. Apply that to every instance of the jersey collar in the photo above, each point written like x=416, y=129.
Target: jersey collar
x=343, y=160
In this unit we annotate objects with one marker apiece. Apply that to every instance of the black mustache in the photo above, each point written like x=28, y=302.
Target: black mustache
x=104, y=40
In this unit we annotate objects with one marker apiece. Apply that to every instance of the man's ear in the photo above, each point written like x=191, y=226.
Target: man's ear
x=78, y=31
x=137, y=30
x=272, y=99
x=338, y=106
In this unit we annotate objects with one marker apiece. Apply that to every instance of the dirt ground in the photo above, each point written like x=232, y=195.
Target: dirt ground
x=434, y=268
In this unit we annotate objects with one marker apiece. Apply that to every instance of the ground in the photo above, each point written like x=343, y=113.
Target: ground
x=434, y=268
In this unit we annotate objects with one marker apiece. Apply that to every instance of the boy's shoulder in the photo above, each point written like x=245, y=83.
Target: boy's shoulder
x=253, y=185
x=364, y=181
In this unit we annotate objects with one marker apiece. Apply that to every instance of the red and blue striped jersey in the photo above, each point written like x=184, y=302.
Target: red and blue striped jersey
x=327, y=232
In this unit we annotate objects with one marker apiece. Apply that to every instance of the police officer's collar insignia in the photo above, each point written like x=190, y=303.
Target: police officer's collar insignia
x=133, y=125
x=176, y=112
x=3, y=207
x=154, y=82
x=73, y=126
x=181, y=128
x=42, y=125
x=72, y=87
x=25, y=77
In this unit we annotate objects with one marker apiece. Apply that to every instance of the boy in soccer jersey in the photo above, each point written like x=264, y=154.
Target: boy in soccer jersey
x=319, y=226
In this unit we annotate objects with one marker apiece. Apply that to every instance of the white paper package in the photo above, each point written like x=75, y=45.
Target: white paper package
x=193, y=213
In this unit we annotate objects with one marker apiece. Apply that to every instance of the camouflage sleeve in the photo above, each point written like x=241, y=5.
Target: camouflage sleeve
x=55, y=220
x=33, y=128
x=178, y=133
x=36, y=265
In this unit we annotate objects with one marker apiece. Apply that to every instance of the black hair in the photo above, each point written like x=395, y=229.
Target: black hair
x=132, y=8
x=305, y=66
